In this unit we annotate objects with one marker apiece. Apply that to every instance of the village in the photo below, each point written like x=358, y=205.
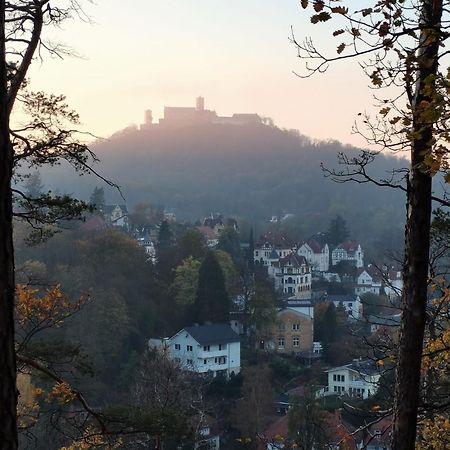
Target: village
x=331, y=310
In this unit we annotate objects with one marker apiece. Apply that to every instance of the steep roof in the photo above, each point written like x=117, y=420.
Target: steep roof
x=294, y=260
x=276, y=240
x=363, y=367
x=316, y=246
x=212, y=334
x=350, y=246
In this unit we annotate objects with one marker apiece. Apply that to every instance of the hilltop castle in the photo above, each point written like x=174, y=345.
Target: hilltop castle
x=176, y=116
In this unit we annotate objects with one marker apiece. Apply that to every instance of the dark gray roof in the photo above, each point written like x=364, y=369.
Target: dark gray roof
x=108, y=209
x=363, y=367
x=212, y=334
x=390, y=321
x=340, y=298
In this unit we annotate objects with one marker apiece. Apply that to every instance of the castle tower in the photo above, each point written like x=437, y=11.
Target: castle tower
x=148, y=117
x=200, y=104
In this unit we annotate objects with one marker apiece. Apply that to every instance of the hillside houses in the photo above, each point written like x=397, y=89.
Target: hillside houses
x=271, y=247
x=350, y=251
x=316, y=253
x=116, y=215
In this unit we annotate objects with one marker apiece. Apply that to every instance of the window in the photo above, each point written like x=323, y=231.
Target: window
x=334, y=377
x=281, y=342
x=205, y=361
x=295, y=326
x=189, y=362
x=295, y=341
x=222, y=346
x=189, y=348
x=256, y=252
x=177, y=346
x=342, y=377
x=206, y=348
x=177, y=360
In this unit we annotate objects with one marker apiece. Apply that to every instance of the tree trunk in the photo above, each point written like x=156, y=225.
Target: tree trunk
x=417, y=239
x=8, y=396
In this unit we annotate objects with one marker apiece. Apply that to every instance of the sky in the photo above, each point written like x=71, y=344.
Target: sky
x=237, y=54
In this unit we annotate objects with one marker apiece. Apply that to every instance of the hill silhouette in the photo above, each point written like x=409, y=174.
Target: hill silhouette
x=250, y=172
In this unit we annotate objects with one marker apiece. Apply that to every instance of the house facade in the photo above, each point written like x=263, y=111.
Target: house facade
x=270, y=248
x=349, y=251
x=358, y=379
x=368, y=282
x=213, y=349
x=116, y=215
x=292, y=332
x=292, y=276
x=352, y=304
x=317, y=255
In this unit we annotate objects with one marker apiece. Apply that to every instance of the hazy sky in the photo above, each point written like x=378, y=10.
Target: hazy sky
x=145, y=54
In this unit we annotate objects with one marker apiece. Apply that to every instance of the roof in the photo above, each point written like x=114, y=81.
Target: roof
x=293, y=311
x=208, y=232
x=364, y=367
x=315, y=246
x=340, y=431
x=350, y=246
x=212, y=334
x=341, y=298
x=293, y=260
x=389, y=321
x=276, y=240
x=299, y=302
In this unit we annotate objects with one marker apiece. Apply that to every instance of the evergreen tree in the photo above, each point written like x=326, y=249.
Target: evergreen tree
x=33, y=185
x=97, y=198
x=164, y=237
x=251, y=253
x=337, y=231
x=212, y=302
x=229, y=242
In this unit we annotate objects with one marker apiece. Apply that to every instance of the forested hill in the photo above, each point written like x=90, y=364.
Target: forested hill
x=251, y=172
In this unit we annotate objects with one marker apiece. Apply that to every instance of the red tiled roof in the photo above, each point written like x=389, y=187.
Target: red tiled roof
x=276, y=240
x=350, y=246
x=276, y=430
x=316, y=247
x=209, y=233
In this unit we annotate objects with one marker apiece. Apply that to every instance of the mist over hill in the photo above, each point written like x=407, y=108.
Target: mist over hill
x=250, y=172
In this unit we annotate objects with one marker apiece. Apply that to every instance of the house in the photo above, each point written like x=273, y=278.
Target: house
x=116, y=215
x=270, y=248
x=358, y=379
x=378, y=323
x=211, y=236
x=348, y=251
x=351, y=303
x=292, y=275
x=304, y=306
x=368, y=280
x=146, y=242
x=292, y=333
x=317, y=254
x=378, y=435
x=393, y=285
x=207, y=349
x=207, y=434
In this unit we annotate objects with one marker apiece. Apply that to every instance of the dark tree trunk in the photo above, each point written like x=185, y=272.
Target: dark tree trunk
x=417, y=240
x=8, y=396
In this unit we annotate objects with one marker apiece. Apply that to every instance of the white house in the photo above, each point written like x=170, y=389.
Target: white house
x=368, y=281
x=348, y=251
x=358, y=379
x=393, y=285
x=147, y=243
x=270, y=248
x=292, y=275
x=206, y=349
x=116, y=215
x=317, y=254
x=351, y=303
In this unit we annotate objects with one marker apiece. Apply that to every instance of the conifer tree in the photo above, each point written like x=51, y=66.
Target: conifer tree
x=212, y=303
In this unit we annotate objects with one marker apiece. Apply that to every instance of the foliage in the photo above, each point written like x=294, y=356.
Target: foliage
x=212, y=301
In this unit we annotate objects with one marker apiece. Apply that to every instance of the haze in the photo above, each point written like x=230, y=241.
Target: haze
x=236, y=54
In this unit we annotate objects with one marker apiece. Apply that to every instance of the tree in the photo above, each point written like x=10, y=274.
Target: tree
x=403, y=43
x=337, y=231
x=185, y=285
x=97, y=198
x=308, y=428
x=251, y=253
x=33, y=185
x=46, y=139
x=229, y=242
x=212, y=302
x=255, y=404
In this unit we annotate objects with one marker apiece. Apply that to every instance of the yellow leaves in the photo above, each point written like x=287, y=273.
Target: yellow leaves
x=62, y=393
x=434, y=433
x=380, y=362
x=92, y=439
x=376, y=408
x=51, y=308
